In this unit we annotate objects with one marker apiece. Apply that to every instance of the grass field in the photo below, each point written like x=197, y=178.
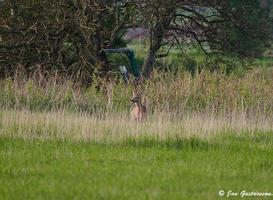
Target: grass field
x=204, y=133
x=144, y=169
x=63, y=155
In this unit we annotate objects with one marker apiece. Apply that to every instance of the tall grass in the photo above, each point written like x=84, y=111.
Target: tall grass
x=251, y=94
x=114, y=128
x=179, y=105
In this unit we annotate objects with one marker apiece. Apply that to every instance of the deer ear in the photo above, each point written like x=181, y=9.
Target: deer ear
x=139, y=93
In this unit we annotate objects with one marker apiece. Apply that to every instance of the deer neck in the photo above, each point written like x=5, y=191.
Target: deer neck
x=138, y=104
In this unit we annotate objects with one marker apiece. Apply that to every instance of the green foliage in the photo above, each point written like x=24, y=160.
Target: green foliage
x=249, y=31
x=193, y=60
x=119, y=59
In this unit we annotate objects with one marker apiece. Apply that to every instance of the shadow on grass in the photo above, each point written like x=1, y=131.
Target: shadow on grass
x=169, y=143
x=197, y=144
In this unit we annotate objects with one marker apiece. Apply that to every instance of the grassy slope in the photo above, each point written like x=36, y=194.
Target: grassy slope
x=144, y=169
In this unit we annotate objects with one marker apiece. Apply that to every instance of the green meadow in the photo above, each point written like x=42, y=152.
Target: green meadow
x=64, y=155
x=203, y=134
x=136, y=100
x=208, y=135
x=145, y=168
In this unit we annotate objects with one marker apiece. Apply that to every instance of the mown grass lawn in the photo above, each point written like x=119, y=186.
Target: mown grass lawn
x=140, y=169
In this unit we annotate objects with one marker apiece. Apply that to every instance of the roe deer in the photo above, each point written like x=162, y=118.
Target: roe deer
x=139, y=111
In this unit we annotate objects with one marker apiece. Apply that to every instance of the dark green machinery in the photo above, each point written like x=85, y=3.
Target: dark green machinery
x=136, y=71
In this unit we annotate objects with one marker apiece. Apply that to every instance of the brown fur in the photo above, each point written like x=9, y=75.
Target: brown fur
x=139, y=111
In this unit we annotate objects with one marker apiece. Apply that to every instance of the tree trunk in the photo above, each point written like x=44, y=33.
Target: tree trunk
x=148, y=64
x=156, y=38
x=155, y=45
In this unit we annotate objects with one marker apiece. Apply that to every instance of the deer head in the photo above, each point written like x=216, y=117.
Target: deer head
x=136, y=97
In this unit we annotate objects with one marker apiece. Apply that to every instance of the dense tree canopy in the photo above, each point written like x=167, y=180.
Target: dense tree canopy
x=69, y=35
x=237, y=27
x=60, y=35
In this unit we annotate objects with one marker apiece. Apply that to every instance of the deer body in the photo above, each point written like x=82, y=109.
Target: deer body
x=139, y=111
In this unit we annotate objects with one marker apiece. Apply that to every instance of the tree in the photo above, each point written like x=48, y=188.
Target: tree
x=239, y=27
x=157, y=16
x=67, y=36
